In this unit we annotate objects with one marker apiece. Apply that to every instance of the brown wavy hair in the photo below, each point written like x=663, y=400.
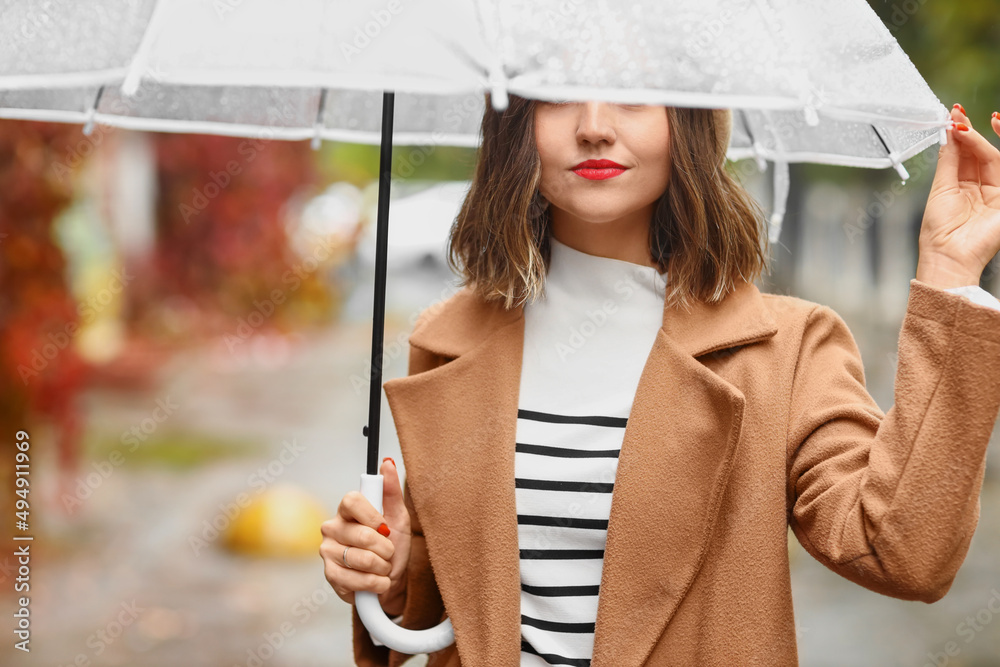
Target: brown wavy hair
x=707, y=231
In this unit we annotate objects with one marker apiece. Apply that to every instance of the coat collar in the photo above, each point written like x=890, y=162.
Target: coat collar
x=457, y=423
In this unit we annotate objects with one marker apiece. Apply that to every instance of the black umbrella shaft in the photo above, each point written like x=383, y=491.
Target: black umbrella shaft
x=381, y=253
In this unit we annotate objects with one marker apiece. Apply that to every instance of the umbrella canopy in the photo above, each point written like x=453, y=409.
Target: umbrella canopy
x=809, y=81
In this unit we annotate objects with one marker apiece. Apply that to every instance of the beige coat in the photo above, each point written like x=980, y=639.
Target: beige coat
x=750, y=417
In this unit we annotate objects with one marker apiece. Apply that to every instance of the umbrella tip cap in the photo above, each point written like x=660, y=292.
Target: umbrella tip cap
x=499, y=96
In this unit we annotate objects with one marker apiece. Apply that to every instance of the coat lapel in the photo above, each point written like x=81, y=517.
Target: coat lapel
x=679, y=446
x=457, y=423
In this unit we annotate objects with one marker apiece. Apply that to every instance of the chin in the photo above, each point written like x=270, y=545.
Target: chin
x=596, y=216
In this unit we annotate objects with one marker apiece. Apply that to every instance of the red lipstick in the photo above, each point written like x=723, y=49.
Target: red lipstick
x=599, y=170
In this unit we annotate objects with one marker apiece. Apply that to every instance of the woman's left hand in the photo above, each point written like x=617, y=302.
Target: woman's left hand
x=960, y=231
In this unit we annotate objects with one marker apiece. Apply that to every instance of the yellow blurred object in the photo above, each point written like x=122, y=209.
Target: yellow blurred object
x=100, y=288
x=281, y=521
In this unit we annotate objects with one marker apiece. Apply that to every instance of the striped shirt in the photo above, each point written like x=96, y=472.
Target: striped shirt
x=585, y=344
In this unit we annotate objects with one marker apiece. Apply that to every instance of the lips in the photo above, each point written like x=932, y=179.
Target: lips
x=599, y=170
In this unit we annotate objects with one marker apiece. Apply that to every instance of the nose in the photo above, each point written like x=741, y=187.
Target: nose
x=595, y=123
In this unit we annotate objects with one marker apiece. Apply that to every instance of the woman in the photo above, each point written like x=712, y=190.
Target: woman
x=605, y=294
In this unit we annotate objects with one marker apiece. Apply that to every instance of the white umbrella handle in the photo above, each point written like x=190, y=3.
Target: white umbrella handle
x=374, y=618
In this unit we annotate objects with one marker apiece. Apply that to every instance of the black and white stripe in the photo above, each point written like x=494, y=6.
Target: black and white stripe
x=565, y=467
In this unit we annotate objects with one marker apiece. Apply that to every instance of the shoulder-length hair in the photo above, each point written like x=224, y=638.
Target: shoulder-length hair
x=707, y=231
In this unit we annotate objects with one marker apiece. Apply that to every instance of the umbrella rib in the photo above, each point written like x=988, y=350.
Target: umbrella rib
x=761, y=164
x=746, y=125
x=893, y=158
x=131, y=83
x=88, y=125
x=881, y=138
x=318, y=125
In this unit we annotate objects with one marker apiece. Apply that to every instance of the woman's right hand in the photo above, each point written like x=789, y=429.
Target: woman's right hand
x=377, y=561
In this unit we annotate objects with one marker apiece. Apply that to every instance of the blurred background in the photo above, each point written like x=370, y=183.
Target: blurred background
x=185, y=331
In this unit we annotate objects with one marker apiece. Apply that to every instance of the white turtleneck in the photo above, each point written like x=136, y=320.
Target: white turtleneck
x=585, y=344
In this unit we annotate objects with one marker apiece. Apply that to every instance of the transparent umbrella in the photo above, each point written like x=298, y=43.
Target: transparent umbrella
x=807, y=80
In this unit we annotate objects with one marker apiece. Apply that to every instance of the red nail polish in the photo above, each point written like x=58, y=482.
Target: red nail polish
x=996, y=114
x=960, y=108
x=962, y=127
x=384, y=530
x=389, y=459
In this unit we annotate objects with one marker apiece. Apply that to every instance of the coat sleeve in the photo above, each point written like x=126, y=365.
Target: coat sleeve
x=891, y=501
x=423, y=607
